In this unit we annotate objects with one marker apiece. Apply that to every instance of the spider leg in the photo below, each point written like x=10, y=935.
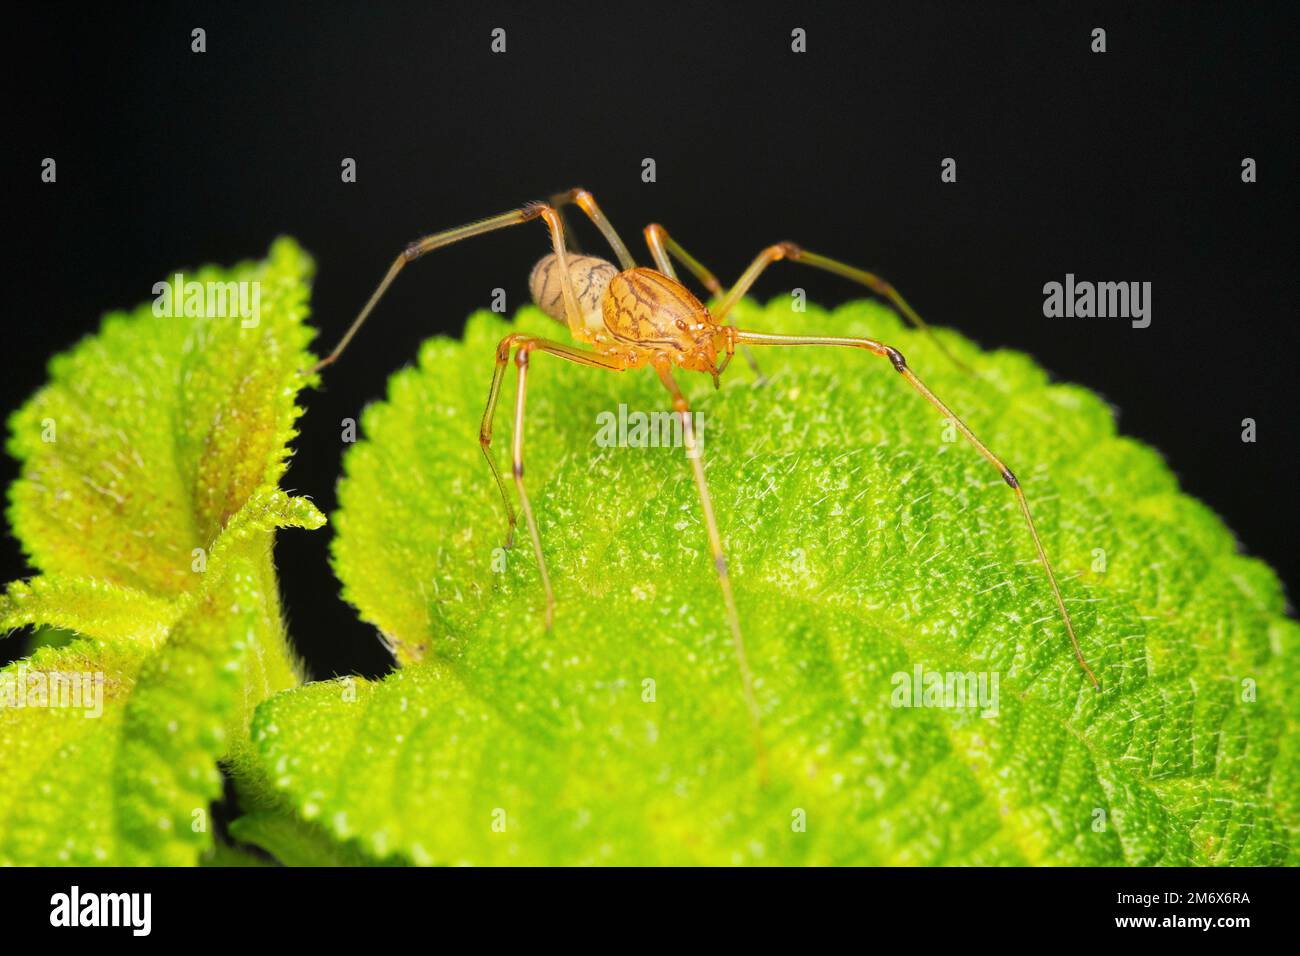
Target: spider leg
x=900, y=364
x=587, y=203
x=795, y=253
x=682, y=408
x=662, y=246
x=485, y=429
x=525, y=213
x=572, y=243
x=523, y=345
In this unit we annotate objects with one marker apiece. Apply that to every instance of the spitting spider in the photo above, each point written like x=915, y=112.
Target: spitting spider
x=632, y=316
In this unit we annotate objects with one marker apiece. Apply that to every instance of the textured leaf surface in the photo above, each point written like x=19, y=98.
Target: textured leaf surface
x=152, y=433
x=863, y=545
x=294, y=842
x=125, y=778
x=145, y=763
x=148, y=496
x=103, y=612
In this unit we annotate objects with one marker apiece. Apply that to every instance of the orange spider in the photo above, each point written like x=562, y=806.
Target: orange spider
x=635, y=316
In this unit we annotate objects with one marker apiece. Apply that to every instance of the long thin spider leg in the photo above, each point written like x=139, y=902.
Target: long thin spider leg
x=523, y=345
x=795, y=253
x=662, y=245
x=683, y=410
x=900, y=364
x=485, y=428
x=525, y=213
x=521, y=360
x=572, y=242
x=587, y=203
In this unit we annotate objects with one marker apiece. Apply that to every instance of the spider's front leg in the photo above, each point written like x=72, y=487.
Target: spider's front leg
x=663, y=249
x=663, y=366
x=662, y=246
x=523, y=345
x=796, y=253
x=900, y=365
x=485, y=428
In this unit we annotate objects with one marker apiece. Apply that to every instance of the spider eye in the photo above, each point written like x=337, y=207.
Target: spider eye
x=681, y=326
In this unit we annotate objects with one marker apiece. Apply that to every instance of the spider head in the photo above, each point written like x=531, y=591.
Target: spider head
x=699, y=351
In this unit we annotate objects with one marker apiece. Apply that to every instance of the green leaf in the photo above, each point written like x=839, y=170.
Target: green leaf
x=106, y=613
x=148, y=496
x=126, y=777
x=292, y=841
x=174, y=726
x=108, y=752
x=152, y=433
x=149, y=438
x=225, y=855
x=862, y=545
x=48, y=637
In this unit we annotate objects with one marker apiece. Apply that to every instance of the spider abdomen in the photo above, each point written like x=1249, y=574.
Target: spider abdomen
x=591, y=277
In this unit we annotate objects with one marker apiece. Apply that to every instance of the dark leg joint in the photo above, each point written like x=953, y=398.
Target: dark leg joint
x=896, y=357
x=1009, y=478
x=519, y=469
x=720, y=562
x=532, y=210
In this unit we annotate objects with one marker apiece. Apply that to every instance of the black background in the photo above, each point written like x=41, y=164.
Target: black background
x=1123, y=166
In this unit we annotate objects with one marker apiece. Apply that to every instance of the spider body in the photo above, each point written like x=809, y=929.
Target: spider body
x=631, y=317
x=657, y=316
